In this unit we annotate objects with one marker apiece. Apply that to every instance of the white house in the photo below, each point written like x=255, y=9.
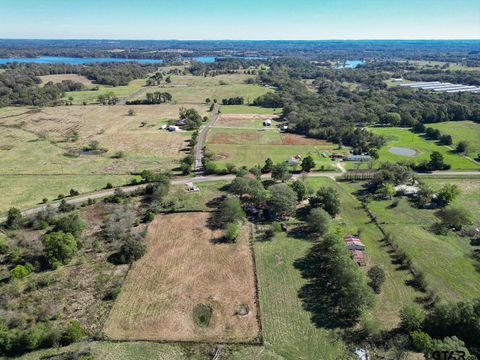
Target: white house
x=408, y=190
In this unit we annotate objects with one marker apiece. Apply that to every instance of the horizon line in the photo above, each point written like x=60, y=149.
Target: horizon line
x=251, y=40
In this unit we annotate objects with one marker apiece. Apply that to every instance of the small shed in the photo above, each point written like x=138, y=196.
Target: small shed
x=267, y=122
x=173, y=128
x=354, y=243
x=359, y=257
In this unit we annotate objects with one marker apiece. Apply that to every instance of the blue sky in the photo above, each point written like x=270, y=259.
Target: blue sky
x=247, y=19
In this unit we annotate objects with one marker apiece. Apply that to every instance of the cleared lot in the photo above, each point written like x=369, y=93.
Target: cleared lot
x=182, y=269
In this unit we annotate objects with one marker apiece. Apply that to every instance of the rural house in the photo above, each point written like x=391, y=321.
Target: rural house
x=358, y=158
x=294, y=160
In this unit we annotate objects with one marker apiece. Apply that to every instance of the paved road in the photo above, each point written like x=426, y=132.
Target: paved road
x=201, y=140
x=77, y=200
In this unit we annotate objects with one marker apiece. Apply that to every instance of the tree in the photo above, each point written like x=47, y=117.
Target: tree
x=436, y=162
x=232, y=231
x=73, y=333
x=299, y=187
x=446, y=140
x=337, y=293
x=252, y=187
x=392, y=118
x=462, y=147
x=70, y=223
x=386, y=191
x=308, y=164
x=14, y=219
x=446, y=195
x=376, y=274
x=59, y=248
x=411, y=318
x=230, y=211
x=280, y=172
x=283, y=200
x=192, y=117
x=318, y=221
x=327, y=199
x=268, y=166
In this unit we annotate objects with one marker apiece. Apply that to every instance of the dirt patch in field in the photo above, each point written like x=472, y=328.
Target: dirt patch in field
x=242, y=137
x=182, y=269
x=58, y=78
x=295, y=139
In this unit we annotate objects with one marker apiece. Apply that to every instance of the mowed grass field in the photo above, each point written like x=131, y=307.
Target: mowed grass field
x=445, y=259
x=354, y=220
x=34, y=142
x=468, y=131
x=249, y=147
x=184, y=267
x=189, y=89
x=124, y=93
x=249, y=121
x=401, y=137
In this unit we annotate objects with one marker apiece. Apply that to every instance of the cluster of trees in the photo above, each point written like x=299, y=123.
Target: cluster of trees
x=238, y=100
x=193, y=118
x=157, y=97
x=156, y=79
x=108, y=99
x=14, y=342
x=451, y=326
x=17, y=88
x=187, y=162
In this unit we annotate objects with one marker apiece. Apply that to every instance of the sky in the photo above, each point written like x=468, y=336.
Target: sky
x=240, y=20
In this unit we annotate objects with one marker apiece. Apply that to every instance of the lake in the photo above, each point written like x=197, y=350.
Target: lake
x=79, y=61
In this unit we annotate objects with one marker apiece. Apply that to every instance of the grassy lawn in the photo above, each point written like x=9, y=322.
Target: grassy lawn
x=287, y=328
x=246, y=109
x=27, y=191
x=250, y=155
x=90, y=96
x=395, y=293
x=444, y=259
x=405, y=138
x=468, y=131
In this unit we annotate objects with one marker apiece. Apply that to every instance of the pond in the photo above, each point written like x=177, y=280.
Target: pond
x=403, y=151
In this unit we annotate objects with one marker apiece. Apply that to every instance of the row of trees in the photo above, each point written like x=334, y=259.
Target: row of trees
x=155, y=98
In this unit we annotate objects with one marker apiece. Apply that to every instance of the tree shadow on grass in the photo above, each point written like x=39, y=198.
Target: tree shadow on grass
x=319, y=294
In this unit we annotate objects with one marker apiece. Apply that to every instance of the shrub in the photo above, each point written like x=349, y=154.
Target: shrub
x=421, y=341
x=411, y=318
x=376, y=274
x=19, y=272
x=232, y=231
x=132, y=249
x=202, y=314
x=14, y=219
x=70, y=223
x=73, y=333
